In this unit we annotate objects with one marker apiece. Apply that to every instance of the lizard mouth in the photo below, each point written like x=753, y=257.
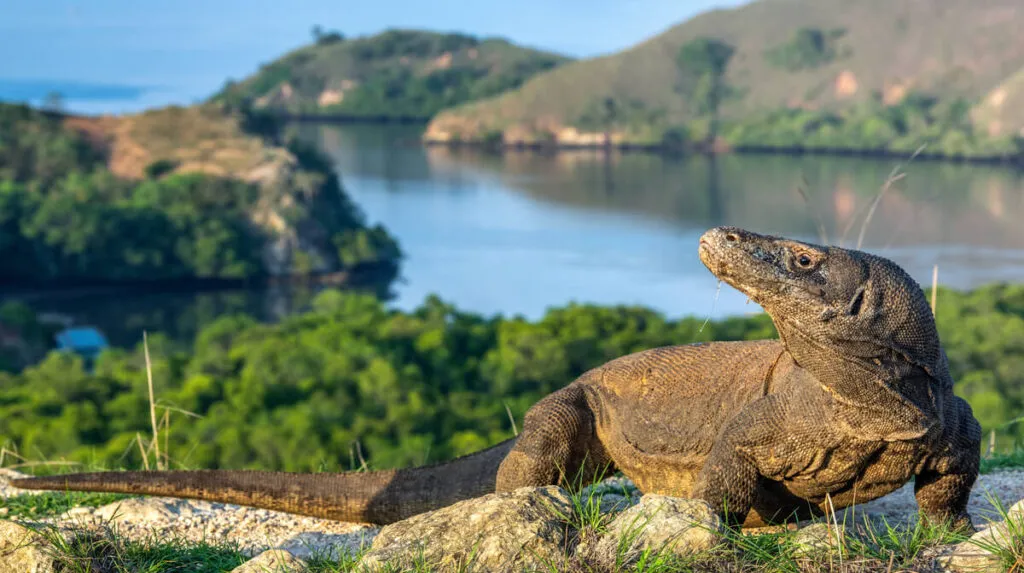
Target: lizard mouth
x=724, y=270
x=704, y=252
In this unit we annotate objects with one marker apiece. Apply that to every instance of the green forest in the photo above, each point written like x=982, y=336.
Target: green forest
x=940, y=128
x=397, y=73
x=918, y=122
x=351, y=381
x=64, y=217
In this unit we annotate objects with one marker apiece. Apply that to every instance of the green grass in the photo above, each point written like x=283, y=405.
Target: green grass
x=899, y=544
x=54, y=503
x=109, y=553
x=1010, y=460
x=870, y=546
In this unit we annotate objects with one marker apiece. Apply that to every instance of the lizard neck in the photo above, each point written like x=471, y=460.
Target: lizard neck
x=880, y=395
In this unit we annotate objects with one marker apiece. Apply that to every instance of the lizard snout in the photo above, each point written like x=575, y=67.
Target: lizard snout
x=717, y=239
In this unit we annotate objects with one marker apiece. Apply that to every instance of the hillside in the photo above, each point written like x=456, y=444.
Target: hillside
x=395, y=73
x=808, y=68
x=170, y=194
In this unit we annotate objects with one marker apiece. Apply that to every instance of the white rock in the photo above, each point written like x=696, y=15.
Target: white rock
x=976, y=555
x=313, y=544
x=273, y=561
x=658, y=523
x=24, y=551
x=510, y=531
x=815, y=539
x=144, y=509
x=7, y=490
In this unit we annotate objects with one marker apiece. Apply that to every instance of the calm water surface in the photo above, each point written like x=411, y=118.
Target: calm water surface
x=520, y=232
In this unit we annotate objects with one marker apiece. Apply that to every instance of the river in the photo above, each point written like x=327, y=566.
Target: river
x=520, y=232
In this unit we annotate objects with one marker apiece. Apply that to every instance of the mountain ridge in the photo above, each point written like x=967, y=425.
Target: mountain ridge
x=813, y=56
x=398, y=72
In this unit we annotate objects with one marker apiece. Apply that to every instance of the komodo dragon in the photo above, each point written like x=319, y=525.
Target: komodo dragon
x=853, y=401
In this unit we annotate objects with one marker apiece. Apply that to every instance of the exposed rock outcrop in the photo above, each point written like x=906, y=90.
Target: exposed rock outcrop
x=523, y=529
x=24, y=551
x=657, y=523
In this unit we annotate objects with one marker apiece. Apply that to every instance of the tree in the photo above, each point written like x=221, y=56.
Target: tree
x=610, y=112
x=53, y=102
x=322, y=37
x=702, y=63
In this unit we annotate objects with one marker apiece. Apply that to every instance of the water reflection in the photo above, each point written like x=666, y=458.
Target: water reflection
x=931, y=204
x=516, y=233
x=960, y=217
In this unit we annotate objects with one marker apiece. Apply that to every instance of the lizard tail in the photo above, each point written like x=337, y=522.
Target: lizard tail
x=378, y=497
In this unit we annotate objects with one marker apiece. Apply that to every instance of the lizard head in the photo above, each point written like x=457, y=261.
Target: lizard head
x=829, y=298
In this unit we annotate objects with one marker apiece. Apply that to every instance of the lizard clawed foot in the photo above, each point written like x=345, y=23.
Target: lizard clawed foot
x=959, y=525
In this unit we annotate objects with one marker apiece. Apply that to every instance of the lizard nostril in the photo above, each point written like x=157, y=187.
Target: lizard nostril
x=731, y=237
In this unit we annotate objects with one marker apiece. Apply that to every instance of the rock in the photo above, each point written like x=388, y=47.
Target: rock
x=313, y=544
x=79, y=512
x=273, y=561
x=614, y=503
x=251, y=530
x=511, y=531
x=980, y=553
x=659, y=523
x=816, y=539
x=612, y=495
x=144, y=509
x=24, y=551
x=614, y=485
x=7, y=490
x=9, y=474
x=967, y=557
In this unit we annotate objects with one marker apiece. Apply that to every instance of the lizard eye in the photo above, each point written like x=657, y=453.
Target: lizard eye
x=804, y=260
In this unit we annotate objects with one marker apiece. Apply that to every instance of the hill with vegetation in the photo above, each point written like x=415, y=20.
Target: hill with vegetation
x=351, y=380
x=397, y=73
x=171, y=194
x=870, y=75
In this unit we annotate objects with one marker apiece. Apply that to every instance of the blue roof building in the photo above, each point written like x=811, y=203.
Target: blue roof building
x=84, y=340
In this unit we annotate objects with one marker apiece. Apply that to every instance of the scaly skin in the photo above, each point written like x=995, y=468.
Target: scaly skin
x=852, y=401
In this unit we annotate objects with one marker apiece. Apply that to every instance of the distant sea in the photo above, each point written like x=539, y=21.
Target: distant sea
x=82, y=97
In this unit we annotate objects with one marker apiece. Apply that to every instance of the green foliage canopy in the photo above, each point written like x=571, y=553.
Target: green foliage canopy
x=65, y=217
x=408, y=387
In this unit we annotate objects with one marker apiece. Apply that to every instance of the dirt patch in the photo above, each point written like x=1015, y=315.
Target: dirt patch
x=98, y=131
x=197, y=139
x=846, y=84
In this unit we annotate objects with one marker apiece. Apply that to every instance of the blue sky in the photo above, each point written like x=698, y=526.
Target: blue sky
x=185, y=49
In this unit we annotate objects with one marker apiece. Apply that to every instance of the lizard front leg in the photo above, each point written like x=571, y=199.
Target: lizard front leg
x=769, y=439
x=943, y=491
x=728, y=481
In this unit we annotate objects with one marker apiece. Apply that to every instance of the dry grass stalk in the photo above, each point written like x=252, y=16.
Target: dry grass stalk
x=152, y=403
x=894, y=176
x=511, y=418
x=142, y=450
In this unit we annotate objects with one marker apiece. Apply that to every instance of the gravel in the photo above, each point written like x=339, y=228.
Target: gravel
x=257, y=530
